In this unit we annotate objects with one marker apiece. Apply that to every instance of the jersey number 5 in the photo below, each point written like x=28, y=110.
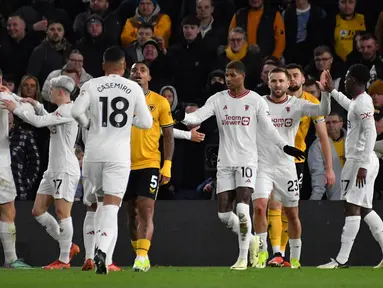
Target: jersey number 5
x=105, y=117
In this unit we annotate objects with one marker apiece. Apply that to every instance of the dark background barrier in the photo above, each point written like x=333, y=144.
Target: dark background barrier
x=189, y=233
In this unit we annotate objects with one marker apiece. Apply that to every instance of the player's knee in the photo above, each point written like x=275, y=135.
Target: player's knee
x=292, y=214
x=260, y=208
x=37, y=211
x=8, y=213
x=146, y=212
x=62, y=213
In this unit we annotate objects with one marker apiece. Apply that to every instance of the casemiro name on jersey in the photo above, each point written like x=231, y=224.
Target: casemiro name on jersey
x=113, y=85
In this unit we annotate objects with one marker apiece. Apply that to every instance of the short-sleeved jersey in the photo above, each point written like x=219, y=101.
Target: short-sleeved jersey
x=300, y=140
x=238, y=119
x=111, y=102
x=63, y=134
x=286, y=117
x=5, y=155
x=145, y=143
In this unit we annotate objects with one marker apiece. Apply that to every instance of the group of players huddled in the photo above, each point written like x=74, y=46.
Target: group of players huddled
x=261, y=152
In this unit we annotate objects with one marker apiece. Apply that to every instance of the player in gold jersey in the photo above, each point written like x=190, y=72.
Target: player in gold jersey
x=276, y=217
x=146, y=176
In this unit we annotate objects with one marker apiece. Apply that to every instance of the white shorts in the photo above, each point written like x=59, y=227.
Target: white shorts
x=283, y=181
x=350, y=192
x=59, y=185
x=229, y=178
x=7, y=185
x=105, y=178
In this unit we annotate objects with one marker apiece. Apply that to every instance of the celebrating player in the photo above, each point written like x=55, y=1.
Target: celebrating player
x=240, y=113
x=7, y=192
x=277, y=170
x=362, y=165
x=146, y=175
x=278, y=222
x=60, y=181
x=110, y=103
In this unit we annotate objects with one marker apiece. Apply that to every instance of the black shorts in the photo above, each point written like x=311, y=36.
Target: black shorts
x=300, y=172
x=144, y=183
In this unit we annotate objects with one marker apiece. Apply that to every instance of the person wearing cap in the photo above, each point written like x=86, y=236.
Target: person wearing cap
x=149, y=12
x=61, y=178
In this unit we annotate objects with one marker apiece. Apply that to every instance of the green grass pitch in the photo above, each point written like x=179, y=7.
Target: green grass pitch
x=201, y=277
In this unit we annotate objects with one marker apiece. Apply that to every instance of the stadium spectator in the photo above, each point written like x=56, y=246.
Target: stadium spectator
x=269, y=64
x=133, y=51
x=112, y=24
x=342, y=28
x=10, y=82
x=190, y=61
x=239, y=49
x=51, y=54
x=264, y=26
x=93, y=45
x=312, y=87
x=316, y=163
x=74, y=64
x=16, y=47
x=149, y=12
x=304, y=31
x=379, y=32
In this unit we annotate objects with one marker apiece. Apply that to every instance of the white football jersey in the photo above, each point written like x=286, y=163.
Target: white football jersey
x=5, y=154
x=238, y=120
x=361, y=129
x=110, y=103
x=63, y=136
x=286, y=117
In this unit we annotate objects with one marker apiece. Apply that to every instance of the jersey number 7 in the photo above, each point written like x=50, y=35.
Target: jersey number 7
x=117, y=112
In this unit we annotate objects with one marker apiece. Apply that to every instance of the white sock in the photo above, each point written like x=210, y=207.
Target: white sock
x=295, y=249
x=8, y=240
x=276, y=249
x=350, y=230
x=65, y=239
x=231, y=221
x=263, y=237
x=89, y=234
x=109, y=255
x=50, y=224
x=283, y=253
x=244, y=235
x=97, y=222
x=109, y=227
x=376, y=227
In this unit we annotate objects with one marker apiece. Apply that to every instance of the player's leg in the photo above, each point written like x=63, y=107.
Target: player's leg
x=275, y=230
x=263, y=188
x=7, y=220
x=294, y=233
x=89, y=236
x=114, y=181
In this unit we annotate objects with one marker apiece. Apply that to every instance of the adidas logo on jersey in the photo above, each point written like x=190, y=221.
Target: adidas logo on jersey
x=225, y=108
x=248, y=181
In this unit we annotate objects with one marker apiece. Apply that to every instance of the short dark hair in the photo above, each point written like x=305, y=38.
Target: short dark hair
x=191, y=20
x=56, y=21
x=1, y=72
x=360, y=73
x=16, y=14
x=237, y=66
x=321, y=50
x=280, y=70
x=295, y=66
x=146, y=26
x=335, y=113
x=113, y=54
x=271, y=60
x=311, y=81
x=368, y=36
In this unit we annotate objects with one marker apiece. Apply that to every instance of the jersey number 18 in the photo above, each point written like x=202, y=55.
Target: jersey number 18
x=115, y=111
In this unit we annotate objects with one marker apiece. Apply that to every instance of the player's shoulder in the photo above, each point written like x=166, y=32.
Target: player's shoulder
x=310, y=97
x=64, y=110
x=5, y=96
x=364, y=100
x=157, y=99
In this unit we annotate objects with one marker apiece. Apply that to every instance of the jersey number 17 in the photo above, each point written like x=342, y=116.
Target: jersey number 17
x=117, y=112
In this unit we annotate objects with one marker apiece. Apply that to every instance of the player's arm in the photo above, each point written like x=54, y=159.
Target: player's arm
x=341, y=99
x=366, y=114
x=143, y=118
x=200, y=115
x=181, y=134
x=81, y=105
x=166, y=121
x=315, y=110
x=316, y=163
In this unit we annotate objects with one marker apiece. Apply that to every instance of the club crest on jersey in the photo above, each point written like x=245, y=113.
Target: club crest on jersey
x=287, y=109
x=151, y=107
x=58, y=114
x=246, y=107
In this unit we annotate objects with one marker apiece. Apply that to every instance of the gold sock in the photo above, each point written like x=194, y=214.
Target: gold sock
x=284, y=234
x=275, y=227
x=134, y=244
x=143, y=246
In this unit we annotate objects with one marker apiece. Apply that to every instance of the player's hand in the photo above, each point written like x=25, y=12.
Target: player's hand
x=208, y=188
x=329, y=177
x=165, y=172
x=197, y=136
x=361, y=177
x=8, y=104
x=5, y=89
x=329, y=86
x=292, y=151
x=29, y=100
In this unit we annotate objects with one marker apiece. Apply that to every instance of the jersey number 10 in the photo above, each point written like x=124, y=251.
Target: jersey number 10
x=115, y=111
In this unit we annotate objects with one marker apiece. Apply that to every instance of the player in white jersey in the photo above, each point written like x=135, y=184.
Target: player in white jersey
x=7, y=191
x=61, y=178
x=361, y=167
x=106, y=107
x=276, y=170
x=240, y=113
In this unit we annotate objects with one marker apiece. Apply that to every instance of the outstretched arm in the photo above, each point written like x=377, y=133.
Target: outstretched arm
x=80, y=106
x=341, y=99
x=201, y=114
x=315, y=110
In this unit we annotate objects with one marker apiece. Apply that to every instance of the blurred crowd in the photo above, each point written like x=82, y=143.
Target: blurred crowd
x=187, y=44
